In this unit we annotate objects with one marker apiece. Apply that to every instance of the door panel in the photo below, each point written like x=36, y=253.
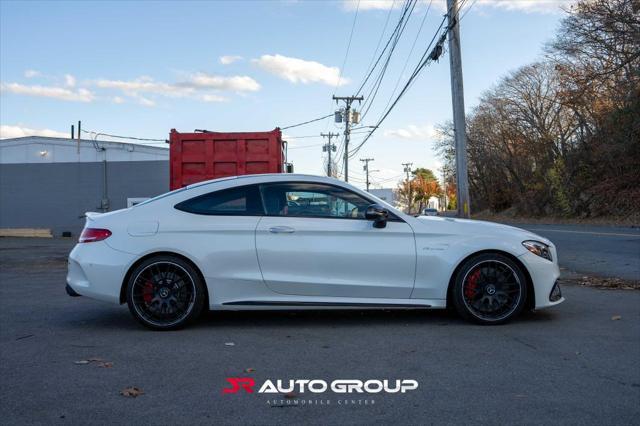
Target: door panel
x=336, y=257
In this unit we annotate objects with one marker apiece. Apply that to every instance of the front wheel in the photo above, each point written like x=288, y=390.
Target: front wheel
x=489, y=289
x=165, y=293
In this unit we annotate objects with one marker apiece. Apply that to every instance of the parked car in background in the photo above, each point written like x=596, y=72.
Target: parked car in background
x=283, y=241
x=429, y=212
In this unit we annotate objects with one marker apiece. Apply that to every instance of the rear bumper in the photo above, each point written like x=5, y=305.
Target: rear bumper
x=544, y=275
x=96, y=270
x=71, y=292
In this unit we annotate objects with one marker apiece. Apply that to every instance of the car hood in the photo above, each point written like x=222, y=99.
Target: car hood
x=475, y=228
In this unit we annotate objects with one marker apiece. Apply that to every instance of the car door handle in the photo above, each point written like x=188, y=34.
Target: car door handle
x=282, y=230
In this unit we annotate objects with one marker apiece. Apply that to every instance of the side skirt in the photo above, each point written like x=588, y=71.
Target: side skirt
x=324, y=304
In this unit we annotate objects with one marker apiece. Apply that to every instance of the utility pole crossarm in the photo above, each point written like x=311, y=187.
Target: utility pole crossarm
x=366, y=169
x=407, y=170
x=329, y=148
x=348, y=100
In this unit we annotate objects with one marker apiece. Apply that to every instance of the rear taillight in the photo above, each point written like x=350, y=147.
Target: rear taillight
x=90, y=235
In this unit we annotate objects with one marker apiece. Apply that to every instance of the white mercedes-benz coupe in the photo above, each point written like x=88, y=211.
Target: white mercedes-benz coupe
x=285, y=241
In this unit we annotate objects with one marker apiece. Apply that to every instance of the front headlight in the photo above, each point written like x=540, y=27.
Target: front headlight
x=538, y=248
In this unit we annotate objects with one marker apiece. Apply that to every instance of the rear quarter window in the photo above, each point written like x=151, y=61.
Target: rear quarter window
x=239, y=201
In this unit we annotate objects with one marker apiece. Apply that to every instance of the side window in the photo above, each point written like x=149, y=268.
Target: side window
x=312, y=200
x=241, y=201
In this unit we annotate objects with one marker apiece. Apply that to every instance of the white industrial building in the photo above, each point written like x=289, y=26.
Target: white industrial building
x=385, y=194
x=51, y=182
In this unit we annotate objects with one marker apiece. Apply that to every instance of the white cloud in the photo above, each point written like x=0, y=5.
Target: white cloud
x=213, y=98
x=300, y=71
x=117, y=100
x=7, y=132
x=229, y=59
x=413, y=132
x=61, y=93
x=31, y=73
x=144, y=85
x=69, y=80
x=236, y=83
x=199, y=86
x=145, y=102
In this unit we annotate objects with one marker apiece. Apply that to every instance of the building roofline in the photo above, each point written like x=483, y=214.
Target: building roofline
x=91, y=141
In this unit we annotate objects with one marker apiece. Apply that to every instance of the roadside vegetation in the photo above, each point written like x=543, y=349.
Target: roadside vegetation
x=561, y=137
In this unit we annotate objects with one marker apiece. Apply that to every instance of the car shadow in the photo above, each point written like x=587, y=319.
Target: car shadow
x=327, y=318
x=120, y=319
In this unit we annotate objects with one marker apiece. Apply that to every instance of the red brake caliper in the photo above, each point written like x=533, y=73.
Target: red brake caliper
x=471, y=285
x=147, y=292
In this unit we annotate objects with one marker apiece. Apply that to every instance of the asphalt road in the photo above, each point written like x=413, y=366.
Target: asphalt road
x=572, y=364
x=605, y=251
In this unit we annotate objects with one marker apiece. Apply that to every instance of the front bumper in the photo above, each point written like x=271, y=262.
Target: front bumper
x=544, y=275
x=96, y=270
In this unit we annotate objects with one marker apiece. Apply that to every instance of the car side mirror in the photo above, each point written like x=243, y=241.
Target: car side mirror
x=378, y=215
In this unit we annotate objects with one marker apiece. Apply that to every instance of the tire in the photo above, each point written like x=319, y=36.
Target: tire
x=489, y=289
x=165, y=293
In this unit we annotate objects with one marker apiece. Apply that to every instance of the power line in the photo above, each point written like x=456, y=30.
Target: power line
x=303, y=137
x=305, y=146
x=122, y=137
x=306, y=122
x=391, y=37
x=424, y=18
x=428, y=56
x=424, y=60
x=346, y=55
x=384, y=30
x=404, y=20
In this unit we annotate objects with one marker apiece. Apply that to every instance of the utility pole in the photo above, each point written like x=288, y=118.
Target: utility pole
x=348, y=100
x=407, y=170
x=457, y=97
x=366, y=169
x=329, y=148
x=444, y=186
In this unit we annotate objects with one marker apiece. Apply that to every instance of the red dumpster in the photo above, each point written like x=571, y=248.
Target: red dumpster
x=195, y=157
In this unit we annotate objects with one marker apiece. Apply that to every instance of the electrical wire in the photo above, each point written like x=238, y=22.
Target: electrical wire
x=424, y=18
x=402, y=24
x=122, y=137
x=346, y=55
x=306, y=146
x=141, y=140
x=391, y=37
x=384, y=30
x=424, y=61
x=306, y=122
x=303, y=137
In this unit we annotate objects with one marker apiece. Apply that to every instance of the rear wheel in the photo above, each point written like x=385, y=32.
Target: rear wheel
x=165, y=293
x=489, y=289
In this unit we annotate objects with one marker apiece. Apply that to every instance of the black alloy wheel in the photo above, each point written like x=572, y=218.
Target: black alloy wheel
x=165, y=293
x=489, y=289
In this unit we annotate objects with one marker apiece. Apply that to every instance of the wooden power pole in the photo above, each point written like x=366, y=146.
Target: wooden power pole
x=457, y=97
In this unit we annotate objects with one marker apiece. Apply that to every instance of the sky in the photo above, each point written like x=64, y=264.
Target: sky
x=142, y=68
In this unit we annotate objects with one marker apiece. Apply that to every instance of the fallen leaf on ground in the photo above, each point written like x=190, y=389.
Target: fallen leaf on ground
x=290, y=395
x=616, y=318
x=249, y=370
x=131, y=392
x=105, y=364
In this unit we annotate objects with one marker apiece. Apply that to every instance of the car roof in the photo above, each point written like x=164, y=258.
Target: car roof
x=270, y=177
